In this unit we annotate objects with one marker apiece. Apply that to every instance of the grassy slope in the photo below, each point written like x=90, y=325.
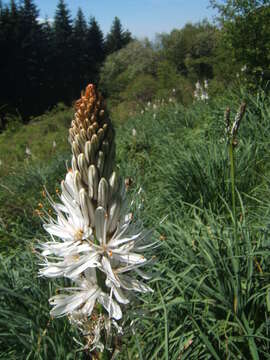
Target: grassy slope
x=38, y=136
x=178, y=156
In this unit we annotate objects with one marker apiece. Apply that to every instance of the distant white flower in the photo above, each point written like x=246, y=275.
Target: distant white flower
x=200, y=92
x=244, y=68
x=134, y=132
x=28, y=151
x=198, y=85
x=54, y=144
x=154, y=116
x=154, y=106
x=142, y=111
x=173, y=90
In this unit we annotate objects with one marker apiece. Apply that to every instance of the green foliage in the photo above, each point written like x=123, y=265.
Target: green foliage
x=246, y=36
x=43, y=136
x=27, y=331
x=191, y=49
x=214, y=292
x=129, y=67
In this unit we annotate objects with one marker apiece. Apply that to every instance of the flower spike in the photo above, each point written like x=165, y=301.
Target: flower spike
x=94, y=243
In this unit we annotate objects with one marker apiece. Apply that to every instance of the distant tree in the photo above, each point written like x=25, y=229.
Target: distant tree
x=21, y=57
x=191, y=49
x=30, y=65
x=47, y=75
x=9, y=43
x=117, y=38
x=62, y=71
x=122, y=67
x=246, y=32
x=95, y=49
x=80, y=56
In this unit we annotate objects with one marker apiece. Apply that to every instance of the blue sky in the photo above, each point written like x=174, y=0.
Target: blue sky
x=141, y=17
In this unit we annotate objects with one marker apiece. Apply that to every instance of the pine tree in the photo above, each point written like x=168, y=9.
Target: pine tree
x=117, y=37
x=79, y=47
x=47, y=76
x=95, y=49
x=30, y=65
x=62, y=53
x=9, y=44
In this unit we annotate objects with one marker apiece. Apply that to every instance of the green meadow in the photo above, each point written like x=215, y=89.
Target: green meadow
x=212, y=271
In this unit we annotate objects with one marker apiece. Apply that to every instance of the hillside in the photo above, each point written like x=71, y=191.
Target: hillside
x=211, y=277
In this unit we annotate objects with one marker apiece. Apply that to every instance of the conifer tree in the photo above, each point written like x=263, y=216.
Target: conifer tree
x=30, y=65
x=80, y=56
x=47, y=78
x=117, y=37
x=95, y=49
x=62, y=53
x=9, y=44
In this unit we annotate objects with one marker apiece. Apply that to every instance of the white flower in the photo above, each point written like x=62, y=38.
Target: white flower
x=134, y=132
x=115, y=249
x=198, y=85
x=83, y=298
x=28, y=151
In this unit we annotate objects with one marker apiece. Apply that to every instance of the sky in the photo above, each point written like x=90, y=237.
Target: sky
x=144, y=18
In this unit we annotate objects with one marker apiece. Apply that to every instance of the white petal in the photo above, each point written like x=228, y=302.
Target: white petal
x=120, y=296
x=51, y=271
x=64, y=305
x=78, y=267
x=58, y=231
x=119, y=241
x=132, y=284
x=106, y=267
x=129, y=258
x=101, y=222
x=110, y=305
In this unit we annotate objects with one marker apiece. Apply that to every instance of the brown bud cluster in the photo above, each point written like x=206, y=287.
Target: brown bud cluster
x=92, y=136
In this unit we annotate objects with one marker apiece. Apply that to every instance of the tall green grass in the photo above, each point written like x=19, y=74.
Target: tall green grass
x=212, y=294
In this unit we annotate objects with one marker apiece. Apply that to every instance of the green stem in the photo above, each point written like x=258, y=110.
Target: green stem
x=235, y=246
x=233, y=188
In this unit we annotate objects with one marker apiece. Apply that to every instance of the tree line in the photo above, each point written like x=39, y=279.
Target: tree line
x=44, y=62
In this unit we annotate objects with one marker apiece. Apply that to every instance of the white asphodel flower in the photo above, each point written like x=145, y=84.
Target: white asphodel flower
x=95, y=241
x=115, y=249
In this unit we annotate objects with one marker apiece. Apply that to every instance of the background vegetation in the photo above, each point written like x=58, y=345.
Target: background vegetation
x=212, y=278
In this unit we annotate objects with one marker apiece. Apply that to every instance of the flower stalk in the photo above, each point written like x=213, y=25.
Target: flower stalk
x=94, y=240
x=231, y=132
